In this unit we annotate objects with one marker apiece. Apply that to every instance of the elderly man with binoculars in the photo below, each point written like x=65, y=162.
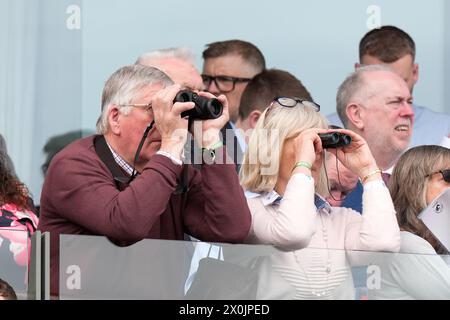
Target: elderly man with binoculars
x=129, y=183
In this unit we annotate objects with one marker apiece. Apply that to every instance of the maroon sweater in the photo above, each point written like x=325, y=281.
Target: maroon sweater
x=79, y=196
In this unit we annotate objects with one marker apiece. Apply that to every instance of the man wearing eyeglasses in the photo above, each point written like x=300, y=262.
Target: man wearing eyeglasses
x=227, y=69
x=85, y=192
x=179, y=64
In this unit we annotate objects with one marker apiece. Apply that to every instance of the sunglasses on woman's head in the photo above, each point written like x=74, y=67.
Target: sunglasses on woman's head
x=290, y=102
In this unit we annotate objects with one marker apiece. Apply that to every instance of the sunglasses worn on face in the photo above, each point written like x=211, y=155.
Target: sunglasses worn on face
x=445, y=174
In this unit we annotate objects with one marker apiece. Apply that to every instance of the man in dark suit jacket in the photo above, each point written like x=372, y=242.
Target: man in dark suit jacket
x=227, y=69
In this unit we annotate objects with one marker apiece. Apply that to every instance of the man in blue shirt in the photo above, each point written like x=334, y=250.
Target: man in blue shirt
x=392, y=46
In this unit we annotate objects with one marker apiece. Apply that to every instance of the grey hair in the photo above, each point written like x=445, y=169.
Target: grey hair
x=123, y=85
x=182, y=53
x=354, y=88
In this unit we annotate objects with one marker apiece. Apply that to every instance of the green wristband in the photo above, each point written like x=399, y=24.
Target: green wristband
x=215, y=146
x=302, y=164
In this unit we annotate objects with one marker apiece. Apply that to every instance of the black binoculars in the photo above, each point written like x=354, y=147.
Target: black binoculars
x=334, y=139
x=204, y=108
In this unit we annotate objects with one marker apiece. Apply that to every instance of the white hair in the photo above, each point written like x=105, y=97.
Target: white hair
x=122, y=86
x=182, y=53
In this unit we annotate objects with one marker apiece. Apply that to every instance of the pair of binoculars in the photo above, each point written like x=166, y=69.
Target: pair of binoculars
x=334, y=140
x=204, y=108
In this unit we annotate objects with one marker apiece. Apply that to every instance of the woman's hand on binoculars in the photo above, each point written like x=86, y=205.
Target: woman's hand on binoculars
x=356, y=156
x=308, y=146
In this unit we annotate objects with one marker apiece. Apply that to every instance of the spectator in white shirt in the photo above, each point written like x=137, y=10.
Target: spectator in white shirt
x=283, y=174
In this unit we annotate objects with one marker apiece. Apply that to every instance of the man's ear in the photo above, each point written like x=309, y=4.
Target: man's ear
x=253, y=118
x=415, y=73
x=354, y=115
x=357, y=65
x=114, y=120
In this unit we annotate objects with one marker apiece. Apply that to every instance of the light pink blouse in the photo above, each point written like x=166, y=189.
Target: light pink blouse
x=321, y=269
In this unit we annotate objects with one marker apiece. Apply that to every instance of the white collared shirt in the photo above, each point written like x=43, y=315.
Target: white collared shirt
x=129, y=169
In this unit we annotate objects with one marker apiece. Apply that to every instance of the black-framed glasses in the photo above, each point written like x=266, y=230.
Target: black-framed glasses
x=445, y=174
x=223, y=83
x=146, y=106
x=290, y=102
